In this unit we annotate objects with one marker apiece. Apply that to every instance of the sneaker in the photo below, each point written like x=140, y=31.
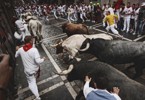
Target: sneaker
x=38, y=98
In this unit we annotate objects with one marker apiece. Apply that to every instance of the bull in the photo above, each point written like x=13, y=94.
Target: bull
x=71, y=29
x=129, y=89
x=73, y=43
x=34, y=27
x=117, y=52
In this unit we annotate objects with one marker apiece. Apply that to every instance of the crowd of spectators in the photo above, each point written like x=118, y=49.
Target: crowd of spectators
x=130, y=17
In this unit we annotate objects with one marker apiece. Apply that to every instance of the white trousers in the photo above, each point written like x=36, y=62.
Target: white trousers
x=54, y=13
x=69, y=17
x=23, y=33
x=112, y=28
x=126, y=24
x=32, y=84
x=82, y=17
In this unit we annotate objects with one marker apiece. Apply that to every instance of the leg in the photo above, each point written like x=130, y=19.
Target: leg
x=68, y=17
x=81, y=16
x=139, y=69
x=55, y=15
x=128, y=24
x=124, y=26
x=107, y=28
x=23, y=34
x=32, y=85
x=113, y=29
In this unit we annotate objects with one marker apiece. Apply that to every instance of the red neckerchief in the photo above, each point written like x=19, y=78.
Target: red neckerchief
x=27, y=46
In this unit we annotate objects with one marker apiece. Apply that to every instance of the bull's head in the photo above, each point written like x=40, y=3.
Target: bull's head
x=64, y=27
x=59, y=48
x=70, y=72
x=65, y=72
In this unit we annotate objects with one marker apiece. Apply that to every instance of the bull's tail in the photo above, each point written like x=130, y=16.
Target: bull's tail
x=86, y=28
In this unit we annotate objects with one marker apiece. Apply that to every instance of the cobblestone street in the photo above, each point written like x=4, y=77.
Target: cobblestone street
x=52, y=86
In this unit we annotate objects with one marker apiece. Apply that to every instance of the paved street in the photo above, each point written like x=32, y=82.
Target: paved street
x=52, y=86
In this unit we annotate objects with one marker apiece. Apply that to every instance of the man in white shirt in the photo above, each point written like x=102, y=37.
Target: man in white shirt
x=137, y=8
x=99, y=92
x=31, y=60
x=127, y=15
x=21, y=29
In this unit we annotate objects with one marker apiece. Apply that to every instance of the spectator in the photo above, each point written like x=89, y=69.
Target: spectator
x=31, y=60
x=20, y=27
x=127, y=15
x=100, y=92
x=137, y=8
x=110, y=19
x=141, y=20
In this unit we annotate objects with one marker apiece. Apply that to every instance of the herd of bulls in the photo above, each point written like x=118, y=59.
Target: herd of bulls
x=108, y=52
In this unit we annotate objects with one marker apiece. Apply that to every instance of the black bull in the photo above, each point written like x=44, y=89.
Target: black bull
x=129, y=89
x=118, y=52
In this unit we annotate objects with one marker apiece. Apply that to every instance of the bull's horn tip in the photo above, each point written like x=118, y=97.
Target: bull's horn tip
x=58, y=73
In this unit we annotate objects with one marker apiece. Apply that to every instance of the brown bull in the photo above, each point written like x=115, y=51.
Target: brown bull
x=71, y=29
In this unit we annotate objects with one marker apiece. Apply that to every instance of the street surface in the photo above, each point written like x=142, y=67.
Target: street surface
x=52, y=86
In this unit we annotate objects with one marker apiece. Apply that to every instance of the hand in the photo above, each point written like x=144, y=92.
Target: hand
x=87, y=79
x=45, y=58
x=17, y=47
x=104, y=24
x=116, y=90
x=5, y=70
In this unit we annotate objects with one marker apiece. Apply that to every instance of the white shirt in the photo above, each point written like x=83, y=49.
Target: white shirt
x=20, y=25
x=127, y=12
x=31, y=59
x=88, y=89
x=136, y=13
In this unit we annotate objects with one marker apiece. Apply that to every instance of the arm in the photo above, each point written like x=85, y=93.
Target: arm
x=116, y=96
x=105, y=19
x=115, y=93
x=116, y=17
x=87, y=89
x=37, y=57
x=17, y=52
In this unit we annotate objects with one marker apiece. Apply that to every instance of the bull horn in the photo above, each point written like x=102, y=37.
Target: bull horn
x=61, y=41
x=87, y=47
x=65, y=72
x=54, y=45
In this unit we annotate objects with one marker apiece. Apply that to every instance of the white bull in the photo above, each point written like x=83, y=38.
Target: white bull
x=35, y=27
x=73, y=43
